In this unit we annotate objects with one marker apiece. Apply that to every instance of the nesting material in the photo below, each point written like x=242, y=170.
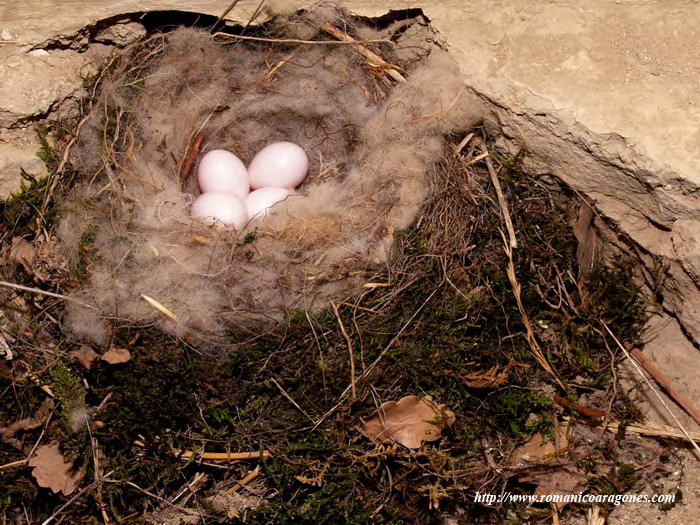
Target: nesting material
x=371, y=147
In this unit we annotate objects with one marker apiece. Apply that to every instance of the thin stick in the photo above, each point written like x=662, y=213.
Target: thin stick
x=459, y=147
x=369, y=369
x=352, y=355
x=14, y=463
x=291, y=400
x=43, y=292
x=194, y=146
x=373, y=58
x=246, y=479
x=655, y=430
x=501, y=199
x=656, y=392
x=223, y=15
x=308, y=42
x=222, y=456
x=666, y=384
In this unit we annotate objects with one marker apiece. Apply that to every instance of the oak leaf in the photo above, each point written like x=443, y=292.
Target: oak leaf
x=410, y=422
x=52, y=471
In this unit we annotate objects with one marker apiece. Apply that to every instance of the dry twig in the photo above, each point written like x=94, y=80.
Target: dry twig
x=350, y=351
x=305, y=42
x=651, y=386
x=374, y=59
x=666, y=384
x=222, y=456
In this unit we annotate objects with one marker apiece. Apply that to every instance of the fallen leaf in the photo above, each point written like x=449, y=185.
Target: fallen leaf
x=538, y=449
x=22, y=252
x=85, y=355
x=410, y=421
x=52, y=471
x=29, y=423
x=587, y=237
x=116, y=356
x=564, y=480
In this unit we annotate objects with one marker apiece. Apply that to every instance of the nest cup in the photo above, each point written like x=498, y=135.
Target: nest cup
x=372, y=145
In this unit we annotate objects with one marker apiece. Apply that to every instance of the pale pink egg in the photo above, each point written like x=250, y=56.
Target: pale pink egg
x=223, y=207
x=259, y=201
x=278, y=165
x=221, y=170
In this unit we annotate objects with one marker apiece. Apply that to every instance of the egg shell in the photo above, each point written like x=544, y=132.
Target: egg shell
x=278, y=165
x=221, y=170
x=259, y=201
x=223, y=207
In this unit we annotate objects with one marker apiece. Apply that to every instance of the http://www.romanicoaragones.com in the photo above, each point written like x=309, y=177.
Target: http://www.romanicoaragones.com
x=616, y=499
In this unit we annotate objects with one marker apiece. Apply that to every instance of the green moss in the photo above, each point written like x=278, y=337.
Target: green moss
x=68, y=389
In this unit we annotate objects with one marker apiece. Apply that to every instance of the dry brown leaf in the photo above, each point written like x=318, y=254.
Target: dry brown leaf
x=52, y=471
x=410, y=421
x=22, y=252
x=85, y=355
x=564, y=480
x=538, y=449
x=587, y=237
x=29, y=423
x=116, y=356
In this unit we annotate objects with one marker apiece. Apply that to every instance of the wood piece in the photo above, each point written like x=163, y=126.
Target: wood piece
x=373, y=58
x=666, y=384
x=586, y=411
x=193, y=149
x=246, y=479
x=223, y=456
x=656, y=430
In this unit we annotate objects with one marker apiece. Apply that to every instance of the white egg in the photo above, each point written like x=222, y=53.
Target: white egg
x=259, y=201
x=279, y=165
x=221, y=206
x=221, y=170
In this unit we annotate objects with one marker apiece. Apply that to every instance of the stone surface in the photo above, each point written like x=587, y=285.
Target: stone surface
x=35, y=82
x=18, y=150
x=121, y=33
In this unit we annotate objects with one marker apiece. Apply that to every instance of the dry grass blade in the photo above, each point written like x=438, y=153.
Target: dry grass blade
x=530, y=333
x=512, y=240
x=162, y=309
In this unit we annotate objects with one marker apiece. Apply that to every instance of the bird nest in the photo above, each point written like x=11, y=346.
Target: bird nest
x=373, y=129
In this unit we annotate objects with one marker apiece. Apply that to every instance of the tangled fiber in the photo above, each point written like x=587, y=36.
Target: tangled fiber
x=372, y=147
